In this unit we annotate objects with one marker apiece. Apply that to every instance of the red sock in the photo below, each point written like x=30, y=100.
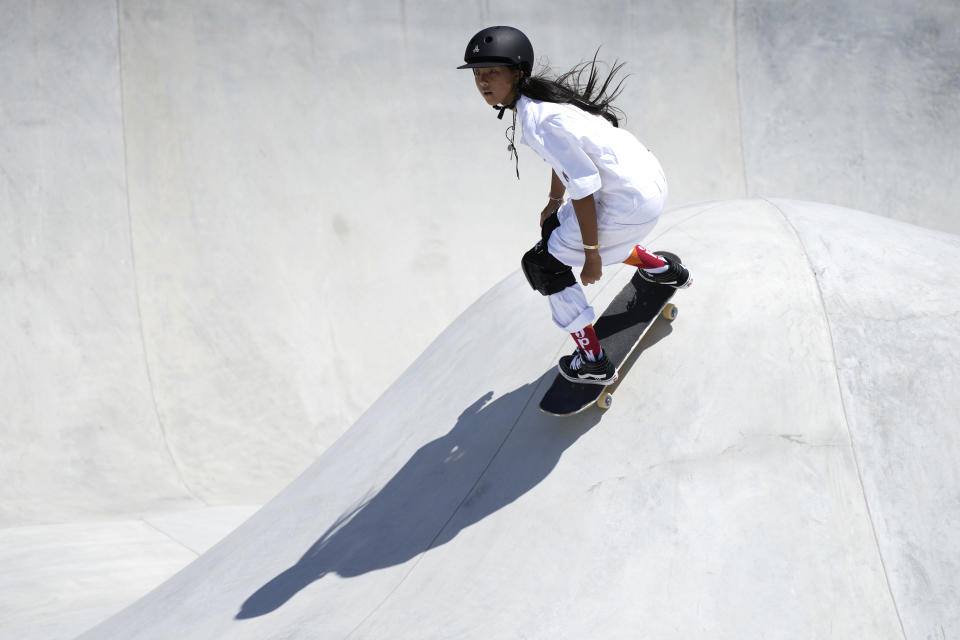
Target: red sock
x=586, y=339
x=642, y=258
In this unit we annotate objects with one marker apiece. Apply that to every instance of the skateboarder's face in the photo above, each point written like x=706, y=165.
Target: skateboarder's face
x=496, y=84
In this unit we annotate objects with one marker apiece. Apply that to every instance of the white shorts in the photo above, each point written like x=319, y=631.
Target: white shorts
x=617, y=237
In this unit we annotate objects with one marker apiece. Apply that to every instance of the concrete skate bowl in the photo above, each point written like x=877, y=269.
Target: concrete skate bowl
x=204, y=287
x=779, y=462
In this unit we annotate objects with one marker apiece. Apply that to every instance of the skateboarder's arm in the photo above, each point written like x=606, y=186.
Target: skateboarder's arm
x=556, y=197
x=556, y=187
x=586, y=210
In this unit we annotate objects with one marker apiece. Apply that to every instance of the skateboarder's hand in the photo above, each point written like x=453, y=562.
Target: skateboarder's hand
x=592, y=268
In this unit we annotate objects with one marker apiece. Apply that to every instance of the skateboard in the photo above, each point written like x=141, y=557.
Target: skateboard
x=620, y=328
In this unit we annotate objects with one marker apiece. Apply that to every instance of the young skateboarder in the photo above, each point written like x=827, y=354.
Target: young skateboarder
x=616, y=187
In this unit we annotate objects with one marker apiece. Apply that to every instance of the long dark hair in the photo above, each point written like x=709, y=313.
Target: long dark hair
x=589, y=93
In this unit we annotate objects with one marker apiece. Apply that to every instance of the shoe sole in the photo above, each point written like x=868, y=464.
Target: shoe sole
x=671, y=256
x=596, y=381
x=685, y=285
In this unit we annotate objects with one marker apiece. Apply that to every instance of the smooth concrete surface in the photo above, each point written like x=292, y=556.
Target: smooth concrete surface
x=897, y=368
x=779, y=463
x=81, y=436
x=853, y=103
x=60, y=579
x=226, y=228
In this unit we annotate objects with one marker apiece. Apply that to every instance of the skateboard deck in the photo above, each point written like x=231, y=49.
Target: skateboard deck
x=620, y=329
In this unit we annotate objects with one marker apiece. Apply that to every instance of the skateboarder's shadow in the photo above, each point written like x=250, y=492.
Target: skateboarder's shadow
x=494, y=454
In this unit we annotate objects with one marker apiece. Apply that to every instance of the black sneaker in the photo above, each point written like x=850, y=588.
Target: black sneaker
x=576, y=368
x=675, y=276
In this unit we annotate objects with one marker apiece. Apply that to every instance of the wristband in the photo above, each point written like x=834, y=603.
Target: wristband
x=560, y=199
x=595, y=247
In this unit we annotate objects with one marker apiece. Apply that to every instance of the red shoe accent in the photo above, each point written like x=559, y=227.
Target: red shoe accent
x=642, y=258
x=587, y=340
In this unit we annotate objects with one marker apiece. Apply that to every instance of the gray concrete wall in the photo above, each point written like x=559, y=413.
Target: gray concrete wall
x=78, y=428
x=853, y=104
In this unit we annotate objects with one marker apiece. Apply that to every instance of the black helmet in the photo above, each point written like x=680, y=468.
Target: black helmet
x=499, y=47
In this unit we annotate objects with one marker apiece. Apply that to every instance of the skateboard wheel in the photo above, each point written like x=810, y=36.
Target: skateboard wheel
x=605, y=400
x=670, y=312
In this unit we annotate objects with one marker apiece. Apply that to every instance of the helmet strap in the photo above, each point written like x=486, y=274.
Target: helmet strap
x=502, y=108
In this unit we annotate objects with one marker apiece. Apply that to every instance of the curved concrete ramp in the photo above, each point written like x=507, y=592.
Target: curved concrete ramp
x=779, y=463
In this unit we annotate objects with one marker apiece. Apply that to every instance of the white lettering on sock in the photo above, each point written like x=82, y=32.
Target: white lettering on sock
x=583, y=342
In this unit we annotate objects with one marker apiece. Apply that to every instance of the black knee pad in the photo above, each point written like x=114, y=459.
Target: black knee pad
x=544, y=272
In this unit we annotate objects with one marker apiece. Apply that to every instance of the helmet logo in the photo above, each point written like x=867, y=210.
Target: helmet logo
x=476, y=49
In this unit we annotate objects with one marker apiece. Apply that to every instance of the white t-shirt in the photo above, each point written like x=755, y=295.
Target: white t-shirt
x=591, y=156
